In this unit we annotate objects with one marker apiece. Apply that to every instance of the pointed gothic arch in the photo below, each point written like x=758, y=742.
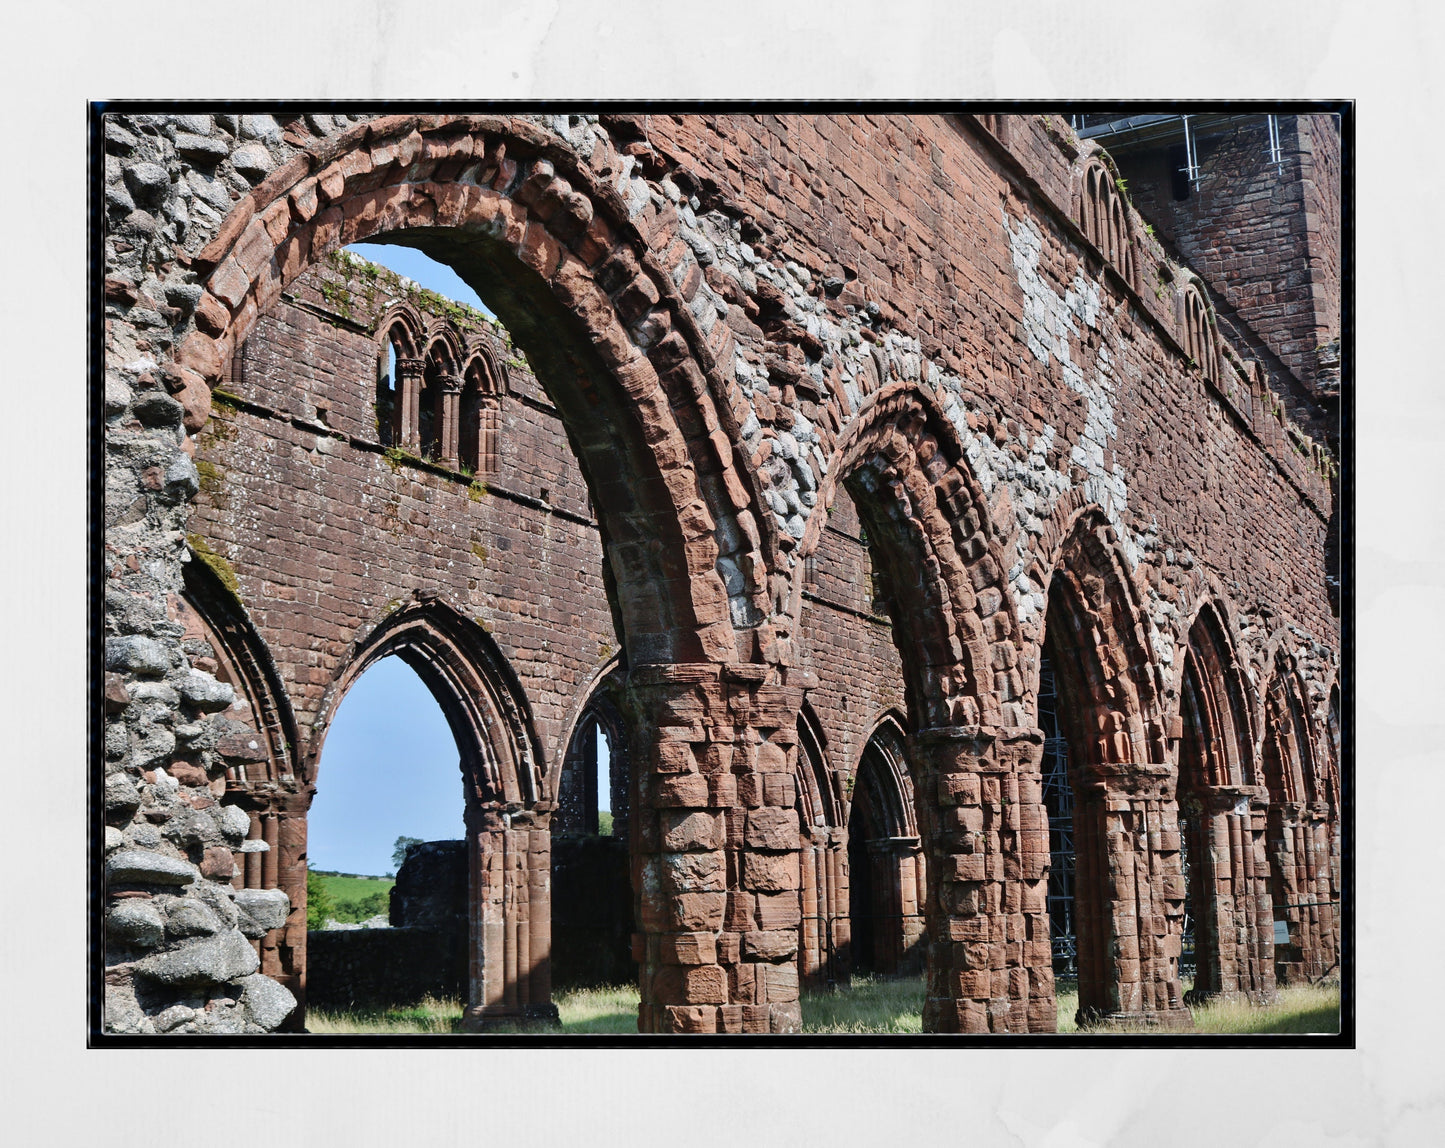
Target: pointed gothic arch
x=1222, y=819
x=1128, y=889
x=1301, y=833
x=887, y=875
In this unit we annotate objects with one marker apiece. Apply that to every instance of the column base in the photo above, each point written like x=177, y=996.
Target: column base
x=480, y=1018
x=1169, y=1020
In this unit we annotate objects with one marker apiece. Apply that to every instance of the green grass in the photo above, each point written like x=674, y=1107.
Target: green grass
x=872, y=1006
x=430, y=1017
x=356, y=898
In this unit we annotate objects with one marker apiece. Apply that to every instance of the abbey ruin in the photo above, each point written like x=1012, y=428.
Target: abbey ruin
x=936, y=513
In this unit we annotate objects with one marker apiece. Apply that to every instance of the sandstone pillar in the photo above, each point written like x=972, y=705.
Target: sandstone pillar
x=509, y=947
x=1229, y=875
x=449, y=424
x=1129, y=895
x=406, y=415
x=715, y=848
x=985, y=833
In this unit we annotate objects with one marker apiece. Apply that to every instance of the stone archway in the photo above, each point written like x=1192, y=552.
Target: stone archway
x=1222, y=818
x=507, y=823
x=584, y=293
x=1300, y=836
x=975, y=773
x=1129, y=884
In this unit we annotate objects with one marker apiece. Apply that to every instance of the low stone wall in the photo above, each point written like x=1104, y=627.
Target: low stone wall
x=379, y=967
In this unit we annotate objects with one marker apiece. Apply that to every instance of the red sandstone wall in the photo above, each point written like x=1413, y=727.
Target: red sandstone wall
x=911, y=206
x=327, y=537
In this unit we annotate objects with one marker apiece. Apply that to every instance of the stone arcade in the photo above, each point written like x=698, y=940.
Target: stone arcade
x=808, y=456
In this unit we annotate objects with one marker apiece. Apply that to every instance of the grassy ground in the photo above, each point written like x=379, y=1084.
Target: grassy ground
x=871, y=1006
x=355, y=888
x=353, y=898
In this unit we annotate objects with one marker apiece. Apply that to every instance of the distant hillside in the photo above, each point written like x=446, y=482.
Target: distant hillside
x=356, y=897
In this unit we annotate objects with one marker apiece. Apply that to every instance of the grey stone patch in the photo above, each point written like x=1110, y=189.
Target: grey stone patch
x=221, y=900
x=201, y=148
x=156, y=408
x=261, y=910
x=256, y=845
x=114, y=839
x=187, y=917
x=184, y=295
x=123, y=1014
x=117, y=139
x=235, y=823
x=121, y=794
x=204, y=692
x=182, y=479
x=117, y=396
x=261, y=128
x=190, y=827
x=267, y=1002
x=253, y=160
x=172, y=1018
x=136, y=866
x=153, y=746
x=149, y=183
x=153, y=691
x=137, y=654
x=214, y=961
x=135, y=922
x=200, y=125
x=211, y=191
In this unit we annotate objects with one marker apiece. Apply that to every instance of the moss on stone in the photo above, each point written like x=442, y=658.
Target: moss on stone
x=218, y=564
x=211, y=476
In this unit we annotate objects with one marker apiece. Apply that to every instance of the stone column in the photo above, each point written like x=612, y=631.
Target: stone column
x=985, y=832
x=489, y=421
x=1129, y=894
x=509, y=947
x=449, y=423
x=715, y=845
x=1230, y=935
x=407, y=413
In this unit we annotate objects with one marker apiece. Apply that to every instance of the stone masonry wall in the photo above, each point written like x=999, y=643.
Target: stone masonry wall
x=787, y=283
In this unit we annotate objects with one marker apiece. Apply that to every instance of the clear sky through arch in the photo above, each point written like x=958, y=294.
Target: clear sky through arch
x=389, y=768
x=422, y=270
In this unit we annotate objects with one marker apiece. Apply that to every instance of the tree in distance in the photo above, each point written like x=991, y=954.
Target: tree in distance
x=398, y=855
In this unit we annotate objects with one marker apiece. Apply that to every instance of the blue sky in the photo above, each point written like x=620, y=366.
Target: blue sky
x=421, y=269
x=389, y=766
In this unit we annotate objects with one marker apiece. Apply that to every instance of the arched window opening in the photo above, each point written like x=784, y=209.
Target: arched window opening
x=1104, y=217
x=592, y=794
x=1201, y=337
x=396, y=372
x=1127, y=894
x=479, y=435
x=592, y=920
x=886, y=891
x=386, y=849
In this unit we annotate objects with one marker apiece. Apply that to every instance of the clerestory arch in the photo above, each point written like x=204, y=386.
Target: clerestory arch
x=1103, y=214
